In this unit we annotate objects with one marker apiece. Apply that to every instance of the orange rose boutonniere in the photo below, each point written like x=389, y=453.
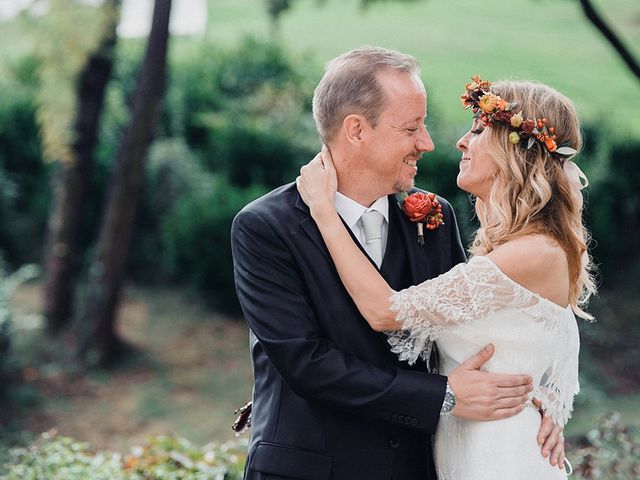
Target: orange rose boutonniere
x=424, y=210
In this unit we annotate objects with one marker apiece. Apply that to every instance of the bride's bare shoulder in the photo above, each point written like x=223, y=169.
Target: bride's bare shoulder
x=537, y=262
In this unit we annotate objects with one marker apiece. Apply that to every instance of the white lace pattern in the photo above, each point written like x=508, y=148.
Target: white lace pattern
x=476, y=303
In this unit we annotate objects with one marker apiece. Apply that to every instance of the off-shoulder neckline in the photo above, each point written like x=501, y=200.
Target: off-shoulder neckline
x=518, y=285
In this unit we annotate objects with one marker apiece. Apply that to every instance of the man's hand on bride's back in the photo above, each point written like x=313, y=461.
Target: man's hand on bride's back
x=487, y=396
x=318, y=183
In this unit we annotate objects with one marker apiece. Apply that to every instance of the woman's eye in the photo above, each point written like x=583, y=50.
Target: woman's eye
x=477, y=131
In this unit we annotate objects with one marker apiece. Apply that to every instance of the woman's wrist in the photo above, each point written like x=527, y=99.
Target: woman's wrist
x=324, y=213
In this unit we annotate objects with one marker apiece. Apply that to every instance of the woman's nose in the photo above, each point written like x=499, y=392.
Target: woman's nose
x=463, y=142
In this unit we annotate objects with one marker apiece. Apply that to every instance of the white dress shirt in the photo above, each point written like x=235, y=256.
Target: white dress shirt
x=350, y=211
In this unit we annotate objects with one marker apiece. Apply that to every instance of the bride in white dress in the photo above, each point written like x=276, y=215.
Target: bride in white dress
x=529, y=275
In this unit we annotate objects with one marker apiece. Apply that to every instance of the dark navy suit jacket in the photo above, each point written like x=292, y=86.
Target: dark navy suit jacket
x=330, y=399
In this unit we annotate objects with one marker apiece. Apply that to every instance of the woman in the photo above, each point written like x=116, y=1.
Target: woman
x=529, y=275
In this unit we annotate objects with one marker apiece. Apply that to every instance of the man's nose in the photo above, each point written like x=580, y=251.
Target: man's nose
x=424, y=143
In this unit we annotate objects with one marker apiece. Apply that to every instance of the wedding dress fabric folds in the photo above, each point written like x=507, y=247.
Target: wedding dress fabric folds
x=465, y=309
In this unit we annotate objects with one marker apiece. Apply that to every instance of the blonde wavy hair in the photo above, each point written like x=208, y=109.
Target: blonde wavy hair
x=531, y=192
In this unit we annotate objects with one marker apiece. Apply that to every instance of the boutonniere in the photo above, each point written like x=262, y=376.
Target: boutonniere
x=423, y=209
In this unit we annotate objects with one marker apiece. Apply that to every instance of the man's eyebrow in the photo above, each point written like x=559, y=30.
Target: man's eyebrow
x=417, y=119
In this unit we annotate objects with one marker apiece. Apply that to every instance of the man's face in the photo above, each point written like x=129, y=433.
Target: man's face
x=400, y=137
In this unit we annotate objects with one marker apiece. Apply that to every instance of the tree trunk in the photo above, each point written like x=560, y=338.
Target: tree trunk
x=71, y=180
x=598, y=22
x=100, y=341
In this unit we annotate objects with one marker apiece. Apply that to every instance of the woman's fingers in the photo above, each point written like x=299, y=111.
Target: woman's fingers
x=327, y=159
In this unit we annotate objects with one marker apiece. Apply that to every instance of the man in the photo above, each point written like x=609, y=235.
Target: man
x=330, y=399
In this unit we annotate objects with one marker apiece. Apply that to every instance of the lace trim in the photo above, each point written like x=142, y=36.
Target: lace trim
x=470, y=292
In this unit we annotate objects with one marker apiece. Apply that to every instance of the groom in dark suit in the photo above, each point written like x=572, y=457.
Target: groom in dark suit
x=330, y=400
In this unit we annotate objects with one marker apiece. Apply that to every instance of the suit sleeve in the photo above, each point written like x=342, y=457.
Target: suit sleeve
x=276, y=306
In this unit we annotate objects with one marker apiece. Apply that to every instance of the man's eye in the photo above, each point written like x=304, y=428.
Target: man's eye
x=415, y=129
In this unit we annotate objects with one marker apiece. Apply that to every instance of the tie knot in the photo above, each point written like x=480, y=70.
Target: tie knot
x=372, y=225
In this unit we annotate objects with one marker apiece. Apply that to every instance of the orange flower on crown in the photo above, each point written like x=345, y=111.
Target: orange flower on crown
x=488, y=103
x=478, y=84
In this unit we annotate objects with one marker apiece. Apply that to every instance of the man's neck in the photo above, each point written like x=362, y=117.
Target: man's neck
x=364, y=198
x=354, y=180
x=357, y=185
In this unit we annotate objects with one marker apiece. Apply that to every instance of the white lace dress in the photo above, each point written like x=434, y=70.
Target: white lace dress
x=465, y=309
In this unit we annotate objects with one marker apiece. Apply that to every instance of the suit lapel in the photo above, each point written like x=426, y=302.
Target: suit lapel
x=311, y=229
x=309, y=226
x=418, y=259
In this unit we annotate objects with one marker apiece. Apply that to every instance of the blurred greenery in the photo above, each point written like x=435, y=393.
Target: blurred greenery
x=159, y=458
x=237, y=122
x=609, y=451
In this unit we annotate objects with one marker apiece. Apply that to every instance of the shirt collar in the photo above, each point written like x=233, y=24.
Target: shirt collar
x=351, y=211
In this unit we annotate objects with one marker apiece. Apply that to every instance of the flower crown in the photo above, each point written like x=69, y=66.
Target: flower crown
x=490, y=107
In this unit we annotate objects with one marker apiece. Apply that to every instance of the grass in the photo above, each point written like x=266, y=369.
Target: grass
x=548, y=41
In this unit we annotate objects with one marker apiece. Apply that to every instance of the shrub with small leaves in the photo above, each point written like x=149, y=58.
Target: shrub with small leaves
x=160, y=458
x=611, y=451
x=8, y=285
x=171, y=458
x=61, y=458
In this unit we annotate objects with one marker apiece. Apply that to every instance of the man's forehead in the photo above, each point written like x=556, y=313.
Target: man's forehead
x=400, y=81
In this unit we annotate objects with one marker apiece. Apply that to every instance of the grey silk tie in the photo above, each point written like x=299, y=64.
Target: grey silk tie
x=372, y=226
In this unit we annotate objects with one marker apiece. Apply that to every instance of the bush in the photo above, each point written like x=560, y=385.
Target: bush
x=245, y=112
x=197, y=239
x=24, y=177
x=172, y=173
x=611, y=451
x=183, y=230
x=14, y=398
x=161, y=458
x=8, y=285
x=239, y=123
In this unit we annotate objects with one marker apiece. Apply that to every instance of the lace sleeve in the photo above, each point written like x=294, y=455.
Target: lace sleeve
x=465, y=293
x=559, y=385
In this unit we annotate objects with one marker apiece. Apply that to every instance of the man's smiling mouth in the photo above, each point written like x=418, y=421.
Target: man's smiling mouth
x=410, y=162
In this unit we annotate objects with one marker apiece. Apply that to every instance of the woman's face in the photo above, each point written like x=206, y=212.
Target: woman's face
x=477, y=167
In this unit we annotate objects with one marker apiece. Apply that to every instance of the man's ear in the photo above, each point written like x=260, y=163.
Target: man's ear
x=354, y=127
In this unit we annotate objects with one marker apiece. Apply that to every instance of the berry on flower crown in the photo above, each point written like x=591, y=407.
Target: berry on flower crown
x=490, y=108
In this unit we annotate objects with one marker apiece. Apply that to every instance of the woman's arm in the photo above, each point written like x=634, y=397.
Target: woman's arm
x=317, y=185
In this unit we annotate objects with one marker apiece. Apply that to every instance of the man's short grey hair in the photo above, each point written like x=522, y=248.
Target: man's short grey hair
x=349, y=86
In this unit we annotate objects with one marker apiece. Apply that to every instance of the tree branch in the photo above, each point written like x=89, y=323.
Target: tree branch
x=626, y=55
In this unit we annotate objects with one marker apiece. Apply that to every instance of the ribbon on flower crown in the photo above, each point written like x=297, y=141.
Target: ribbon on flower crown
x=576, y=177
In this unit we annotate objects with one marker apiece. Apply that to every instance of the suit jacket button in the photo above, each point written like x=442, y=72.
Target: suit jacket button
x=393, y=443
